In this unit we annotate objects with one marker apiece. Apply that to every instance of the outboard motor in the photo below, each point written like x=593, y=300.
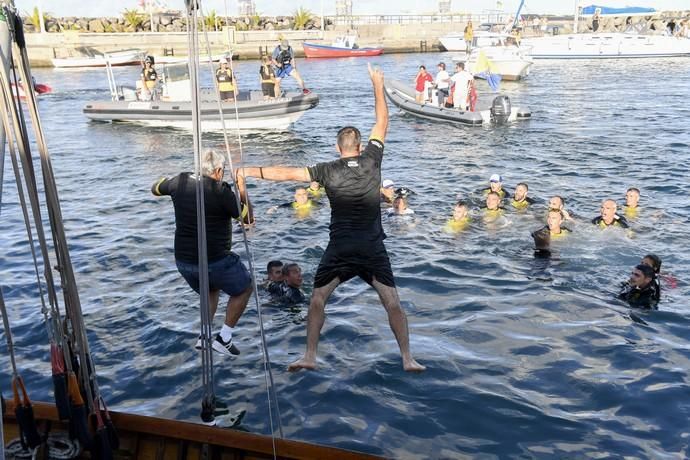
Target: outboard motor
x=500, y=110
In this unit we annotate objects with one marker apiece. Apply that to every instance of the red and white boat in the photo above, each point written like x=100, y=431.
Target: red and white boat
x=39, y=88
x=345, y=46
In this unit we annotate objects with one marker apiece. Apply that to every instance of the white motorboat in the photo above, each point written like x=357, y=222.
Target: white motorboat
x=507, y=59
x=203, y=59
x=607, y=46
x=89, y=57
x=171, y=106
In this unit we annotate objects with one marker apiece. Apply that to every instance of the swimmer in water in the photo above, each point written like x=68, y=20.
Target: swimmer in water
x=608, y=217
x=558, y=203
x=496, y=186
x=654, y=261
x=289, y=290
x=640, y=291
x=274, y=273
x=460, y=219
x=520, y=199
x=552, y=230
x=400, y=207
x=315, y=190
x=493, y=205
x=632, y=199
x=387, y=190
x=302, y=205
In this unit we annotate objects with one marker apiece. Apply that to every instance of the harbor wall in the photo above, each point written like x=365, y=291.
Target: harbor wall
x=397, y=34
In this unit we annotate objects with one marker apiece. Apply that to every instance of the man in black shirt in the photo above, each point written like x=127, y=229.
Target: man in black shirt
x=356, y=246
x=225, y=270
x=640, y=290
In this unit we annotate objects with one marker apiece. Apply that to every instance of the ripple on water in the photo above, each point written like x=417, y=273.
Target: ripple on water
x=527, y=358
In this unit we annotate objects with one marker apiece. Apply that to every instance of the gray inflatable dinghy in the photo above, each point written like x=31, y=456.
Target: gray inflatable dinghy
x=500, y=112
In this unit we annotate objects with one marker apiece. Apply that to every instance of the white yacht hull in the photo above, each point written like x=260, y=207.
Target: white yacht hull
x=607, y=46
x=453, y=42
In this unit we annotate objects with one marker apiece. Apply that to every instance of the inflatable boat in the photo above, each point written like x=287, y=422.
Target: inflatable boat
x=501, y=110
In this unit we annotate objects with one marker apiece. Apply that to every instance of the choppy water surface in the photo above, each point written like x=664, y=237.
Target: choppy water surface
x=526, y=358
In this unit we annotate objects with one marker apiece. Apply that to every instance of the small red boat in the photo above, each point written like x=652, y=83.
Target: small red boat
x=38, y=88
x=342, y=47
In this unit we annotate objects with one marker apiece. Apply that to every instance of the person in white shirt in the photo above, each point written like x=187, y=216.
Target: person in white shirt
x=442, y=83
x=461, y=79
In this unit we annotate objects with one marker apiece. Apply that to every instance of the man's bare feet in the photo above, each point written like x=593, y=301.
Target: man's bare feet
x=303, y=363
x=410, y=365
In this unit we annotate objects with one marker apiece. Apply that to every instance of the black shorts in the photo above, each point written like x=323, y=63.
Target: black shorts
x=269, y=89
x=347, y=260
x=225, y=95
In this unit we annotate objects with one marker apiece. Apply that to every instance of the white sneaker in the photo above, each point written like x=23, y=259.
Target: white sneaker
x=225, y=348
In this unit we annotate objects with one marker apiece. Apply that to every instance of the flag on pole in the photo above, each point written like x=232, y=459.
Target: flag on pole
x=485, y=69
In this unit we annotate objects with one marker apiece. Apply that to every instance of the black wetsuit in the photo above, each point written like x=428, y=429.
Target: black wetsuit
x=647, y=297
x=356, y=236
x=284, y=293
x=220, y=205
x=619, y=221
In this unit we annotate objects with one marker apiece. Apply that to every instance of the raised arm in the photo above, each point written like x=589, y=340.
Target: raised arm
x=276, y=173
x=380, y=107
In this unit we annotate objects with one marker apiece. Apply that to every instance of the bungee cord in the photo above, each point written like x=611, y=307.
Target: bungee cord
x=272, y=396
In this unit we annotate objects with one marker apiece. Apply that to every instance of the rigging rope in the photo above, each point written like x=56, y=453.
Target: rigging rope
x=272, y=395
x=208, y=401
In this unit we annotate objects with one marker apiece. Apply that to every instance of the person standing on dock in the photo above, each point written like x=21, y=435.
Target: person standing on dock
x=284, y=61
x=225, y=270
x=356, y=245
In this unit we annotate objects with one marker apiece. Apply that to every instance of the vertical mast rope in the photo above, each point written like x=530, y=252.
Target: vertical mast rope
x=272, y=395
x=208, y=402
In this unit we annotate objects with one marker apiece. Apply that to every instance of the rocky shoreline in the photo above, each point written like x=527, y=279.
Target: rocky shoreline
x=174, y=22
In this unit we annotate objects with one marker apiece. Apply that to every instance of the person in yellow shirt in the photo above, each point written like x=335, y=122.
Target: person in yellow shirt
x=268, y=78
x=520, y=199
x=149, y=79
x=315, y=190
x=227, y=87
x=460, y=219
x=632, y=199
x=469, y=35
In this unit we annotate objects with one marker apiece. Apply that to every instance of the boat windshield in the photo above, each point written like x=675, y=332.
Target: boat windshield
x=176, y=72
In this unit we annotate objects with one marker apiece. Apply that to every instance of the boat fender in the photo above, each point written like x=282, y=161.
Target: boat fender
x=208, y=407
x=524, y=113
x=500, y=110
x=24, y=412
x=100, y=448
x=110, y=426
x=57, y=362
x=78, y=424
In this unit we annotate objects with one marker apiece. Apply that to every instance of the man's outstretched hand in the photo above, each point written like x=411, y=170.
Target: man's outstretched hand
x=376, y=75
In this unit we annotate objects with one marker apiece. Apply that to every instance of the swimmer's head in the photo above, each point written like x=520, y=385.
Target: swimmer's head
x=492, y=201
x=632, y=197
x=292, y=274
x=556, y=202
x=400, y=204
x=459, y=210
x=496, y=183
x=608, y=211
x=313, y=185
x=520, y=191
x=301, y=196
x=653, y=261
x=274, y=270
x=641, y=276
x=554, y=220
x=349, y=141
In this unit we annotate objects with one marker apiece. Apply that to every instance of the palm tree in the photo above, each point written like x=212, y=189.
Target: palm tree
x=302, y=18
x=35, y=18
x=212, y=20
x=133, y=19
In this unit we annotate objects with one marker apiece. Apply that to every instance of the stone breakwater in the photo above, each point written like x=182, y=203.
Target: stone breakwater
x=164, y=23
x=173, y=22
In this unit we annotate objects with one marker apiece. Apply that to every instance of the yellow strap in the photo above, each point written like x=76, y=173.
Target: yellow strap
x=157, y=190
x=245, y=211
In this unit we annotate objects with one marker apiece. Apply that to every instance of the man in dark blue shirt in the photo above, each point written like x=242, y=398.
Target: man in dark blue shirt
x=356, y=247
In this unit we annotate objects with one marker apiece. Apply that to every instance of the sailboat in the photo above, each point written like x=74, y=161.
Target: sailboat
x=608, y=45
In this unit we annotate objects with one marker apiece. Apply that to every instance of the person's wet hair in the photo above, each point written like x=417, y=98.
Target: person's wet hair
x=495, y=194
x=273, y=263
x=460, y=203
x=349, y=139
x=524, y=185
x=646, y=270
x=634, y=189
x=288, y=267
x=656, y=262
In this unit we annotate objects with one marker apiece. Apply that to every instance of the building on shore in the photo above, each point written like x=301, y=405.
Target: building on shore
x=444, y=6
x=246, y=8
x=343, y=7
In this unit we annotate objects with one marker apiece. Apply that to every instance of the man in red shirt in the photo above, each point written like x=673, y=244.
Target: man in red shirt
x=420, y=80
